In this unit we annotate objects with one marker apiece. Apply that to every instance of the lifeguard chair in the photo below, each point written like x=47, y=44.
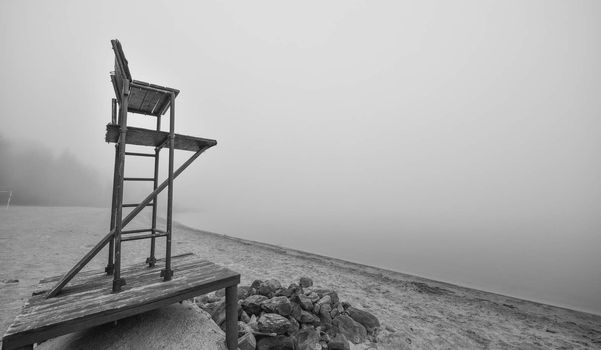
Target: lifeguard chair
x=64, y=304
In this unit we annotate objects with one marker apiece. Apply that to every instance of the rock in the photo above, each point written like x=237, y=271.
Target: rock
x=307, y=339
x=247, y=342
x=218, y=314
x=288, y=292
x=252, y=304
x=280, y=342
x=338, y=342
x=316, y=308
x=269, y=287
x=352, y=330
x=314, y=297
x=305, y=282
x=273, y=284
x=214, y=298
x=334, y=312
x=243, y=328
x=203, y=299
x=256, y=284
x=243, y=292
x=295, y=311
x=266, y=291
x=305, y=302
x=324, y=315
x=279, y=305
x=324, y=300
x=368, y=320
x=323, y=292
x=307, y=326
x=244, y=317
x=294, y=325
x=273, y=323
x=210, y=307
x=345, y=305
x=253, y=323
x=307, y=317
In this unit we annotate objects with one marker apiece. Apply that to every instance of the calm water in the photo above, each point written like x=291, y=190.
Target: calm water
x=548, y=266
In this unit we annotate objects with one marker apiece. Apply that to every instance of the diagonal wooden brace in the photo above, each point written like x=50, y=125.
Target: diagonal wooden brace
x=98, y=247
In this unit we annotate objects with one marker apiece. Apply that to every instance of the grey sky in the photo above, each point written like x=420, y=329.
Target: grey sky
x=477, y=120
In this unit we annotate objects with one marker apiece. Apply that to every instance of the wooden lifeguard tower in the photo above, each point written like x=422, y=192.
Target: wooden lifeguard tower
x=65, y=304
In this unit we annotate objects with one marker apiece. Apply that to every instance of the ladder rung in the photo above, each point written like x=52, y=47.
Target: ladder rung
x=140, y=154
x=136, y=231
x=138, y=179
x=134, y=238
x=132, y=205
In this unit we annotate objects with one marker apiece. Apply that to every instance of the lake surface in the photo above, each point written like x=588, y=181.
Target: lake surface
x=548, y=266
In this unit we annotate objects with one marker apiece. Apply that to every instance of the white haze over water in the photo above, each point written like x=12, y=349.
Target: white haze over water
x=456, y=140
x=537, y=265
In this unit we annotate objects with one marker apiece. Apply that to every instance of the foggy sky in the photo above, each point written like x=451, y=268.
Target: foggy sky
x=471, y=121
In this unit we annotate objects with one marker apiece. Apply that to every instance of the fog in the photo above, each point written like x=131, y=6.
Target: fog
x=36, y=177
x=453, y=140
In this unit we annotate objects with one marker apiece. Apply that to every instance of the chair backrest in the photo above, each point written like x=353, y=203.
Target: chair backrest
x=121, y=72
x=121, y=65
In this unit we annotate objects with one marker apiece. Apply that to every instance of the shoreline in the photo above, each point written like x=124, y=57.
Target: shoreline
x=306, y=254
x=415, y=312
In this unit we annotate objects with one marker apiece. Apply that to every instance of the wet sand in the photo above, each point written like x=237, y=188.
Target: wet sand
x=416, y=313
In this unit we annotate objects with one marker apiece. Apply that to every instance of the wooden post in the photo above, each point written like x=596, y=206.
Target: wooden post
x=118, y=282
x=110, y=266
x=231, y=317
x=167, y=273
x=151, y=261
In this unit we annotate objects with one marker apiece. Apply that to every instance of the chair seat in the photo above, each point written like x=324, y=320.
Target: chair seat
x=150, y=99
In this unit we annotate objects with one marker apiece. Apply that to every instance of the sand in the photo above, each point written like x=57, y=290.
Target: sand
x=415, y=313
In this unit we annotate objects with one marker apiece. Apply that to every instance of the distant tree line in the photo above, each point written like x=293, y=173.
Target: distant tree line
x=37, y=177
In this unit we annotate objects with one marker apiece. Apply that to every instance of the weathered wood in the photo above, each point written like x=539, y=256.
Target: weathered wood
x=125, y=232
x=133, y=205
x=151, y=260
x=138, y=154
x=134, y=238
x=150, y=99
x=231, y=317
x=168, y=272
x=121, y=63
x=146, y=137
x=117, y=280
x=89, y=301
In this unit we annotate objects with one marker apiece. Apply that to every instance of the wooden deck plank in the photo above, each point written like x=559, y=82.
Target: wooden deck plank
x=146, y=137
x=89, y=301
x=91, y=297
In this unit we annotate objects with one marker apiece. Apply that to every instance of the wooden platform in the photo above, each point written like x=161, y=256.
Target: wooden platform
x=88, y=300
x=146, y=137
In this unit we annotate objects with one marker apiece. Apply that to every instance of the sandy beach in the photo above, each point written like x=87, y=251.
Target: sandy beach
x=415, y=313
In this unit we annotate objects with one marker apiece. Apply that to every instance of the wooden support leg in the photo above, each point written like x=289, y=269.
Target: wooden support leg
x=151, y=260
x=119, y=282
x=231, y=317
x=110, y=266
x=167, y=273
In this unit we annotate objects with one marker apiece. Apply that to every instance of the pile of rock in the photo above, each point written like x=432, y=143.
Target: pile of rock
x=300, y=316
